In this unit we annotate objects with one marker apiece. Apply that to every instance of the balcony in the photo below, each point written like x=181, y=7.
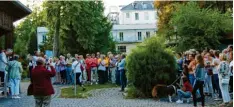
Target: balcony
x=134, y=27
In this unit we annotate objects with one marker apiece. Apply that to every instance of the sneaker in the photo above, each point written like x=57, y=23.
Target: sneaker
x=188, y=100
x=17, y=97
x=96, y=83
x=91, y=83
x=179, y=101
x=13, y=97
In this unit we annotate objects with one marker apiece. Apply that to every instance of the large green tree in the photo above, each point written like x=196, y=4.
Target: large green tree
x=83, y=27
x=199, y=27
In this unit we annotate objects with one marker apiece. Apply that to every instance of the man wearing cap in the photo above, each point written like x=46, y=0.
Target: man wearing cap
x=3, y=62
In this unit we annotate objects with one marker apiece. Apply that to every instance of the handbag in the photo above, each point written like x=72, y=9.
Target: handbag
x=30, y=90
x=225, y=81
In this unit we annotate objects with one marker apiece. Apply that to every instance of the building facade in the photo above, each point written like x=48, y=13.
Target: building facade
x=132, y=24
x=41, y=36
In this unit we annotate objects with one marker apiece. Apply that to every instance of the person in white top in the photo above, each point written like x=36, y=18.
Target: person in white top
x=215, y=63
x=4, y=62
x=34, y=58
x=76, y=69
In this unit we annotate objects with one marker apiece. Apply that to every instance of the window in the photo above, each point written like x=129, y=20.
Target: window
x=146, y=16
x=127, y=15
x=147, y=34
x=139, y=35
x=144, y=6
x=43, y=38
x=136, y=16
x=122, y=48
x=120, y=36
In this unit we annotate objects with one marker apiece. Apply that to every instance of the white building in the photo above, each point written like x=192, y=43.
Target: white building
x=41, y=36
x=134, y=23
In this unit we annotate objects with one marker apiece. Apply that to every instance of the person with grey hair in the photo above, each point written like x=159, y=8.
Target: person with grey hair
x=4, y=63
x=14, y=70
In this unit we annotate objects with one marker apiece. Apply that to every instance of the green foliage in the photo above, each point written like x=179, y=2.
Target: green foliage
x=132, y=93
x=83, y=26
x=197, y=27
x=150, y=64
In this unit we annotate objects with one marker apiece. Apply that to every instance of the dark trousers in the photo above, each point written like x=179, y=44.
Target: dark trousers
x=30, y=72
x=88, y=74
x=101, y=77
x=78, y=79
x=117, y=77
x=123, y=79
x=2, y=74
x=106, y=74
x=216, y=85
x=231, y=84
x=198, y=85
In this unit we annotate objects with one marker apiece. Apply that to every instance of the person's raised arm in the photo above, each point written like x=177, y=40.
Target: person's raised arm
x=51, y=72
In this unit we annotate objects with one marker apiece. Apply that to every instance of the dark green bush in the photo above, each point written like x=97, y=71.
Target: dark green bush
x=150, y=64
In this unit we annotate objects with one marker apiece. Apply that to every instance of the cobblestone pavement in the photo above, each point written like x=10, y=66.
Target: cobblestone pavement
x=110, y=97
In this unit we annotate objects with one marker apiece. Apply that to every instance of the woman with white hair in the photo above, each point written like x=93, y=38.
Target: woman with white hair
x=14, y=70
x=62, y=66
x=223, y=72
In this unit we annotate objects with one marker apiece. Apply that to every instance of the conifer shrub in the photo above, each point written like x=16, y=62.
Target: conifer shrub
x=149, y=64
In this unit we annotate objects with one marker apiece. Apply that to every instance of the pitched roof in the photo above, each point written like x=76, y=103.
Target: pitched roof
x=139, y=5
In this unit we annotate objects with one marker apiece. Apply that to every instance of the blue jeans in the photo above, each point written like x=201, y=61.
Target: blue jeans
x=216, y=85
x=182, y=94
x=191, y=79
x=14, y=86
x=208, y=84
x=123, y=79
x=68, y=71
x=117, y=77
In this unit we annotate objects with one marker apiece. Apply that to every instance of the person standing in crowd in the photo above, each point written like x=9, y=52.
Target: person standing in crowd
x=191, y=67
x=231, y=72
x=112, y=68
x=41, y=81
x=179, y=61
x=123, y=78
x=216, y=62
x=186, y=60
x=209, y=74
x=3, y=63
x=101, y=70
x=94, y=74
x=223, y=72
x=98, y=55
x=14, y=70
x=34, y=60
x=88, y=68
x=107, y=67
x=118, y=57
x=76, y=68
x=57, y=69
x=62, y=66
x=69, y=68
x=185, y=92
x=83, y=69
x=30, y=65
x=199, y=80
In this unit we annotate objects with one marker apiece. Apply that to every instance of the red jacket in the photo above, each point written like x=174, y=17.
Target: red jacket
x=41, y=81
x=94, y=62
x=88, y=63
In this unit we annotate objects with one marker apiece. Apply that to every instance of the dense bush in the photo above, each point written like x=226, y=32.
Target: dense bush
x=150, y=64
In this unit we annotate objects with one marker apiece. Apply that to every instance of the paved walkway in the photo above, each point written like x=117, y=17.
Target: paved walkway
x=100, y=98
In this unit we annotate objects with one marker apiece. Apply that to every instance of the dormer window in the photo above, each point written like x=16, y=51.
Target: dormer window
x=134, y=5
x=144, y=6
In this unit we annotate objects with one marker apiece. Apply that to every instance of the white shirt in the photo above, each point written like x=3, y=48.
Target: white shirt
x=76, y=67
x=3, y=61
x=34, y=61
x=215, y=68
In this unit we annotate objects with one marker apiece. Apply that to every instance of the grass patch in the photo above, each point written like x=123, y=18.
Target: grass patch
x=133, y=93
x=69, y=92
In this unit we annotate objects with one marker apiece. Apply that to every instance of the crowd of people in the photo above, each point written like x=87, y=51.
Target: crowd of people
x=93, y=69
x=206, y=73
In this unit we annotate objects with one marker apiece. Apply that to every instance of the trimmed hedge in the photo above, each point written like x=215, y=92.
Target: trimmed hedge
x=150, y=64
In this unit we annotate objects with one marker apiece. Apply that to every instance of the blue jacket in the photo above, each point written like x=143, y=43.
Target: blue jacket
x=121, y=65
x=200, y=73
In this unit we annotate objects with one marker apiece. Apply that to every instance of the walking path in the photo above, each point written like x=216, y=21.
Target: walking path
x=110, y=97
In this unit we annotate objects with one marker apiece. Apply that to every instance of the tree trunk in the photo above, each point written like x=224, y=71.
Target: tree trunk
x=56, y=34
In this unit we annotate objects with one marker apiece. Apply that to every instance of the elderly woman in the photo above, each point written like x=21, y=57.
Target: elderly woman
x=62, y=66
x=101, y=70
x=42, y=86
x=223, y=73
x=14, y=70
